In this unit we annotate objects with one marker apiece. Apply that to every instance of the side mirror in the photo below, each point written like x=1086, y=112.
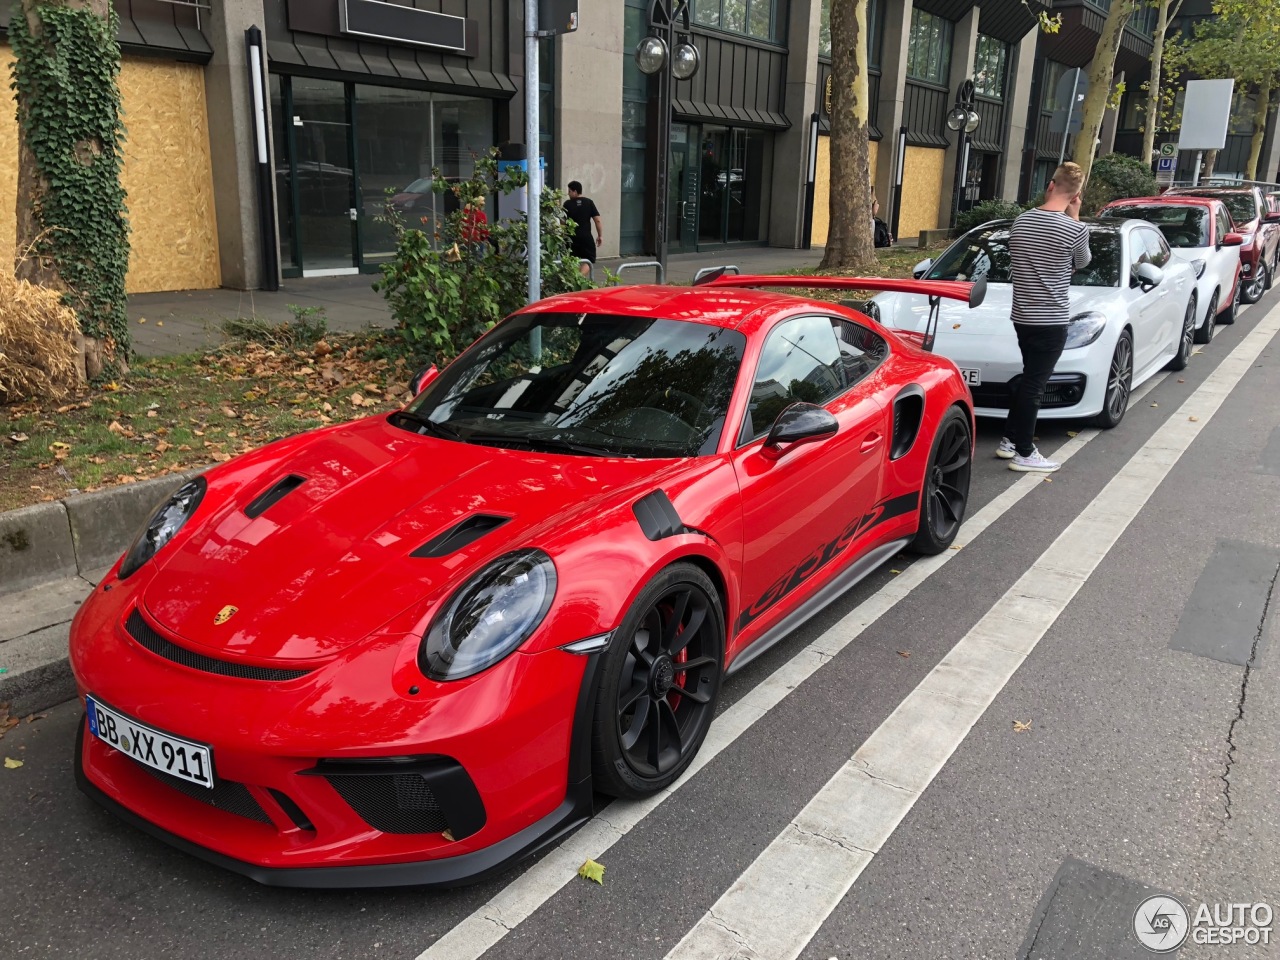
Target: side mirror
x=419, y=381
x=1147, y=276
x=921, y=268
x=797, y=424
x=1271, y=218
x=1232, y=240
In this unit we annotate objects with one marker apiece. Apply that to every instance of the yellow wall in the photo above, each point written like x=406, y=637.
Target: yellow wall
x=921, y=190
x=167, y=174
x=822, y=186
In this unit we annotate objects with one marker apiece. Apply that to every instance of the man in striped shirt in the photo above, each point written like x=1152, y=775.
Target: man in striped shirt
x=1046, y=246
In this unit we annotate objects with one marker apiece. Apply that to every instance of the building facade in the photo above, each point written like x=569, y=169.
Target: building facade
x=366, y=98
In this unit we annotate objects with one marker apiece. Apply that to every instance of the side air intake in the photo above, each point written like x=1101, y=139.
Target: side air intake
x=274, y=495
x=908, y=412
x=461, y=535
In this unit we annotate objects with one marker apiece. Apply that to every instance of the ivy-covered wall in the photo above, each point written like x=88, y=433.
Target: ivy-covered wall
x=167, y=176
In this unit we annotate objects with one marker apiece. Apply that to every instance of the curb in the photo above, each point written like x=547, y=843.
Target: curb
x=49, y=544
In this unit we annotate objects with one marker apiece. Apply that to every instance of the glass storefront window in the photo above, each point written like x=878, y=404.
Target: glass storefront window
x=735, y=177
x=1053, y=72
x=989, y=65
x=753, y=18
x=393, y=146
x=929, y=48
x=281, y=122
x=635, y=101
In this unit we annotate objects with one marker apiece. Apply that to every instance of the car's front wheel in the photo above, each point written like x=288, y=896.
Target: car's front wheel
x=657, y=686
x=945, y=494
x=1204, y=332
x=1256, y=285
x=1119, y=383
x=1185, y=338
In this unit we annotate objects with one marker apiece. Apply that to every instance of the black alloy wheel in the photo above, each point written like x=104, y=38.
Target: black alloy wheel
x=1119, y=383
x=658, y=684
x=1256, y=285
x=945, y=494
x=1228, y=316
x=1204, y=332
x=1183, y=356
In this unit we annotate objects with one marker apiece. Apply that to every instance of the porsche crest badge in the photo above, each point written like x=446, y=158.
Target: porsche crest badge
x=225, y=614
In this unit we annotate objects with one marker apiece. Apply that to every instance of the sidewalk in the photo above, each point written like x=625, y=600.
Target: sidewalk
x=168, y=323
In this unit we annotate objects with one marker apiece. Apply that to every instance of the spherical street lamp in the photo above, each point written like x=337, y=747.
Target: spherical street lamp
x=972, y=121
x=685, y=60
x=651, y=55
x=957, y=118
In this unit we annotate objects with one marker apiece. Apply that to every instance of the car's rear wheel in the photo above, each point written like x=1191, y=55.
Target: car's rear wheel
x=1119, y=383
x=1185, y=339
x=945, y=494
x=1204, y=332
x=1228, y=316
x=658, y=684
x=1256, y=285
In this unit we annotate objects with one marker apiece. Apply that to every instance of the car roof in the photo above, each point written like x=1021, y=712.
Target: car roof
x=1095, y=224
x=1165, y=200
x=726, y=307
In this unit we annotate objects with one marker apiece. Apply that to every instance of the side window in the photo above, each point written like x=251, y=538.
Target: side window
x=1224, y=223
x=861, y=351
x=801, y=361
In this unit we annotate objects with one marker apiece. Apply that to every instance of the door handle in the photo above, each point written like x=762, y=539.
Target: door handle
x=870, y=442
x=354, y=214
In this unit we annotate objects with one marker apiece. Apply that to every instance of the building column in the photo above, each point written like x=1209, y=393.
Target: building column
x=963, y=50
x=1022, y=75
x=791, y=146
x=1110, y=121
x=229, y=105
x=893, y=92
x=588, y=95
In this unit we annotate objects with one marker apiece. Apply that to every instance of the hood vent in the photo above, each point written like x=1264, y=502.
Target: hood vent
x=455, y=538
x=273, y=496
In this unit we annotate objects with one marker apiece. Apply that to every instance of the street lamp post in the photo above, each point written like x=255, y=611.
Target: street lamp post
x=962, y=118
x=672, y=58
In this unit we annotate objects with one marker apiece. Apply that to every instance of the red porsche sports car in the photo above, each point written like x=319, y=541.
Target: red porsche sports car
x=406, y=650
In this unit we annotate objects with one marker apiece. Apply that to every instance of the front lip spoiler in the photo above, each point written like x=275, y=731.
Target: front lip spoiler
x=576, y=809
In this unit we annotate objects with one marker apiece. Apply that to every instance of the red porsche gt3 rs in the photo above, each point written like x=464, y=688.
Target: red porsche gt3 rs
x=406, y=650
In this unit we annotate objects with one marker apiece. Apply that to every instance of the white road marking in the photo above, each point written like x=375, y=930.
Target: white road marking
x=516, y=902
x=782, y=899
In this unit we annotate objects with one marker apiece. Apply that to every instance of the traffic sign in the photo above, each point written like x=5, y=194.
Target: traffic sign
x=1169, y=149
x=1165, y=169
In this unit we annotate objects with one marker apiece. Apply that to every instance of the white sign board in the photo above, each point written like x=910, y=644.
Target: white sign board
x=1206, y=113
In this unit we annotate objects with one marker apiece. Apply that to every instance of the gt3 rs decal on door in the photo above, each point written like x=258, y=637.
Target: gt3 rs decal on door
x=885, y=510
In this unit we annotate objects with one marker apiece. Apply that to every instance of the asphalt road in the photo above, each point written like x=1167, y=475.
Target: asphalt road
x=1134, y=751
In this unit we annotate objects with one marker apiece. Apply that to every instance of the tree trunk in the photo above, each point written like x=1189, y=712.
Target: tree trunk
x=1168, y=10
x=72, y=235
x=1100, y=71
x=1259, y=129
x=1210, y=161
x=850, y=237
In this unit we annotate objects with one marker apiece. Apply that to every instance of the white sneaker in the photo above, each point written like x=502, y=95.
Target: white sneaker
x=1006, y=450
x=1033, y=464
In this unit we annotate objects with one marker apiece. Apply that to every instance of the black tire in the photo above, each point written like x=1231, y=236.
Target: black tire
x=1183, y=356
x=1204, y=332
x=1271, y=272
x=1119, y=384
x=1228, y=316
x=1255, y=286
x=648, y=695
x=944, y=496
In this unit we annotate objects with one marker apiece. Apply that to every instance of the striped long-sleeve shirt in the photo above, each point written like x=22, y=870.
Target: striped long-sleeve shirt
x=1045, y=248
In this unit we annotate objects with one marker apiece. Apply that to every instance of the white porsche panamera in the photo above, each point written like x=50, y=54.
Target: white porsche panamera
x=1133, y=311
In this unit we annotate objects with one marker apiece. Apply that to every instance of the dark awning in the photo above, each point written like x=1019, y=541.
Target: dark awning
x=725, y=113
x=151, y=28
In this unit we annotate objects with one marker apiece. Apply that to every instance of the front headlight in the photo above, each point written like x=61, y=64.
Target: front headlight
x=163, y=524
x=1085, y=328
x=496, y=611
x=1198, y=267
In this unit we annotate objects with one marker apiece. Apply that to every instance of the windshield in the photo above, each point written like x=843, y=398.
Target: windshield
x=418, y=186
x=986, y=253
x=1181, y=225
x=1241, y=206
x=588, y=384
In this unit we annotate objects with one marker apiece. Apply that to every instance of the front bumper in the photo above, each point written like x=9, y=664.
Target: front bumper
x=460, y=784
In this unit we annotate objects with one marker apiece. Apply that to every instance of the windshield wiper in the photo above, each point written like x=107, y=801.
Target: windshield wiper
x=439, y=429
x=542, y=443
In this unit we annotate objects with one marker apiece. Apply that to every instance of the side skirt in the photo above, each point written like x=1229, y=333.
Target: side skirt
x=844, y=582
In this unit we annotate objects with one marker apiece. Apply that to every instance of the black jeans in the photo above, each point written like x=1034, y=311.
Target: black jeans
x=1041, y=347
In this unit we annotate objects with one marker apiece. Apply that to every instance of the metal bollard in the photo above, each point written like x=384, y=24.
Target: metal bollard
x=591, y=271
x=661, y=271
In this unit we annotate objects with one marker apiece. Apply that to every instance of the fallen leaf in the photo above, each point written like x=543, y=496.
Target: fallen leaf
x=159, y=323
x=905, y=653
x=142, y=319
x=1048, y=479
x=221, y=457
x=592, y=871
x=152, y=413
x=1194, y=419
x=448, y=835
x=112, y=386
x=11, y=764
x=895, y=571
x=23, y=438
x=1182, y=381
x=357, y=400
x=1155, y=404
x=163, y=445
x=1073, y=433
x=327, y=408
x=228, y=412
x=955, y=546
x=1020, y=726
x=114, y=427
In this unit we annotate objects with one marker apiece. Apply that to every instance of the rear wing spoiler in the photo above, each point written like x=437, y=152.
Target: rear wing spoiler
x=972, y=293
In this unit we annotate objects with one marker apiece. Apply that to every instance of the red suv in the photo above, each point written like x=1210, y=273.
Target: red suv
x=1255, y=221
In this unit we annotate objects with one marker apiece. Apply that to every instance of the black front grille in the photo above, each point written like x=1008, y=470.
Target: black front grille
x=145, y=634
x=393, y=802
x=226, y=795
x=1063, y=390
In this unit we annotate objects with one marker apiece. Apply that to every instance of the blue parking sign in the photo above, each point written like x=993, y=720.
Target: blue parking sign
x=1166, y=164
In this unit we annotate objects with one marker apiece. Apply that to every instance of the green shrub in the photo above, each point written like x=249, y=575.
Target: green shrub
x=446, y=289
x=308, y=326
x=985, y=211
x=1116, y=177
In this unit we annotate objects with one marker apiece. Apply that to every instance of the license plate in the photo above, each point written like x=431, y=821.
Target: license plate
x=972, y=377
x=161, y=751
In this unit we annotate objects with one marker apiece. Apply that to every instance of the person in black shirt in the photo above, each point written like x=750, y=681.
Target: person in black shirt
x=582, y=211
